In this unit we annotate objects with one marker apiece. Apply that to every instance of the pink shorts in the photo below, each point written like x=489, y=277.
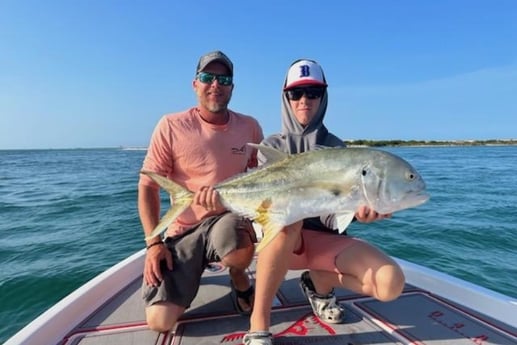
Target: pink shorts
x=319, y=250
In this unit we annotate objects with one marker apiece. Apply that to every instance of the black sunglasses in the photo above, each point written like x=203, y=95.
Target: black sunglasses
x=309, y=92
x=208, y=78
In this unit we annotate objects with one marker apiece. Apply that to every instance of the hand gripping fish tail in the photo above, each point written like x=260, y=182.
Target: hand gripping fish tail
x=181, y=197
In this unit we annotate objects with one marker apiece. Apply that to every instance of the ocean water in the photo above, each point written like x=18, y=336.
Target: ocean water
x=68, y=215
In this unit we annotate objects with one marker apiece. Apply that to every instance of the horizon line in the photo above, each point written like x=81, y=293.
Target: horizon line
x=141, y=148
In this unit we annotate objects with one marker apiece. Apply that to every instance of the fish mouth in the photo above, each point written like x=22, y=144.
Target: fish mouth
x=408, y=200
x=414, y=199
x=421, y=197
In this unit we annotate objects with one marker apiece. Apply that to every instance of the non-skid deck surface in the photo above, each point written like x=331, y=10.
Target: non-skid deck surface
x=414, y=318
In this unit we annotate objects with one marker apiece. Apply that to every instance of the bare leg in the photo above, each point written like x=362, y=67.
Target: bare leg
x=272, y=267
x=162, y=316
x=238, y=261
x=364, y=269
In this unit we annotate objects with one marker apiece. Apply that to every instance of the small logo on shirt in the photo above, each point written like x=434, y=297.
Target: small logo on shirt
x=239, y=151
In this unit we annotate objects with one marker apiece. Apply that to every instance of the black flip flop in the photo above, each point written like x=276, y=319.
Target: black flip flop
x=244, y=295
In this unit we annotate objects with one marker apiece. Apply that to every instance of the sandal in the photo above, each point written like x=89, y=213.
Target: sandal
x=258, y=338
x=324, y=307
x=247, y=296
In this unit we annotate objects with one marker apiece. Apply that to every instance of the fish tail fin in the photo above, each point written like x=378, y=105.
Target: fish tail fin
x=181, y=199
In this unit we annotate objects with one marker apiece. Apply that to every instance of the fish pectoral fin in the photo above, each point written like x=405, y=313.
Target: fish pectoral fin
x=272, y=155
x=343, y=220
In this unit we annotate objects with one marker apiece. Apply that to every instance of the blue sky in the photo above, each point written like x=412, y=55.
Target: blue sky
x=100, y=73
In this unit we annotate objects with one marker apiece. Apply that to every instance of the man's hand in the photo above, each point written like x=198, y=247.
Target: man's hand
x=152, y=271
x=208, y=198
x=366, y=215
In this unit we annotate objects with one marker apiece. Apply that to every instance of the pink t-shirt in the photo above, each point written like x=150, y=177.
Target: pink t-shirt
x=194, y=153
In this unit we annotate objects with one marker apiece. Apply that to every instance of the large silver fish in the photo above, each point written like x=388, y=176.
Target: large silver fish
x=314, y=183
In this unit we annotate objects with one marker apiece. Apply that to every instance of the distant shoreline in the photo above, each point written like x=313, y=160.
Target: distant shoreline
x=380, y=143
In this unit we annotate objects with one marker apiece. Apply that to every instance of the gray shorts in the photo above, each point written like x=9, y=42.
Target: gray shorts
x=209, y=241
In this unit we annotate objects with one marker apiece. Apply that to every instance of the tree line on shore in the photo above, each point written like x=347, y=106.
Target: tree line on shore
x=397, y=142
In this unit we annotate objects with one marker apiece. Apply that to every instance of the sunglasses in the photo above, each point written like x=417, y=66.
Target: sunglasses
x=208, y=78
x=309, y=92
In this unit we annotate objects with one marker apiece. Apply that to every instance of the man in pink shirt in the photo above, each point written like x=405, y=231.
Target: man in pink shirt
x=197, y=148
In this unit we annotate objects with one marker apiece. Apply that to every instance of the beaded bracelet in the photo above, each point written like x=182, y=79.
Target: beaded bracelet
x=153, y=244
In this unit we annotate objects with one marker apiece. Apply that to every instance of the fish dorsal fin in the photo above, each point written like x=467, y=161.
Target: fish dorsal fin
x=272, y=155
x=321, y=147
x=343, y=220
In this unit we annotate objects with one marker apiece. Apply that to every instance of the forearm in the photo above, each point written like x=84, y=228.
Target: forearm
x=149, y=211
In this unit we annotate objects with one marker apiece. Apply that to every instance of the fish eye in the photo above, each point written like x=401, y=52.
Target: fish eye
x=410, y=175
x=365, y=170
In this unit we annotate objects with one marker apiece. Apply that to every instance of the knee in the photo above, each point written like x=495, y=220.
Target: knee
x=159, y=325
x=291, y=233
x=246, y=254
x=239, y=258
x=160, y=322
x=390, y=283
x=294, y=229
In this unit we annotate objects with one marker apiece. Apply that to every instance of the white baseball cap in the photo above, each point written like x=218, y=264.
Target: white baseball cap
x=305, y=72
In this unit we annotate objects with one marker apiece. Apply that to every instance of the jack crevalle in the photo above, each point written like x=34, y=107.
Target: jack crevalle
x=314, y=183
